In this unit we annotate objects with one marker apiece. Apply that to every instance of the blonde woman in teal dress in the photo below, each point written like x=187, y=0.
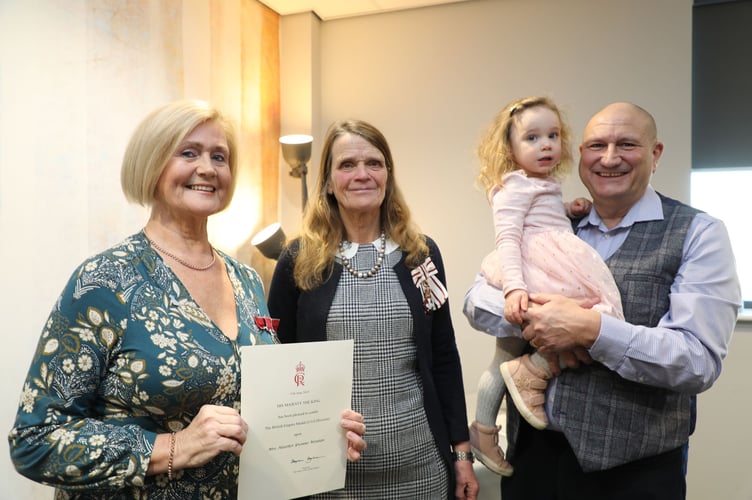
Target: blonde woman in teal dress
x=134, y=389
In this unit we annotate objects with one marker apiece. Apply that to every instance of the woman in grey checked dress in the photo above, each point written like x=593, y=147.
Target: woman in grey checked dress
x=361, y=270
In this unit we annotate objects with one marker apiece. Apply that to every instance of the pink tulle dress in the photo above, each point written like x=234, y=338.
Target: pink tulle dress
x=536, y=249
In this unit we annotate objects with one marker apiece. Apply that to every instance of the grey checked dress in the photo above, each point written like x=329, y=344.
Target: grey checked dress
x=402, y=460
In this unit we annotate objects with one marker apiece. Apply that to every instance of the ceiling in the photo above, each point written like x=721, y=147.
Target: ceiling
x=333, y=9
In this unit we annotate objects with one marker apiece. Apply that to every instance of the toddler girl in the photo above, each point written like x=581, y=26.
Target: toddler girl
x=523, y=154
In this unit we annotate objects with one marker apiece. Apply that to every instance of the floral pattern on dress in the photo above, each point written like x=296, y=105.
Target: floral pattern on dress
x=125, y=354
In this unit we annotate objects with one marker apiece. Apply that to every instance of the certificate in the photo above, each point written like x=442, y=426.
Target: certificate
x=292, y=397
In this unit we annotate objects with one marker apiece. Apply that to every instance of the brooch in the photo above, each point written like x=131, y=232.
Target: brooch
x=432, y=289
x=267, y=323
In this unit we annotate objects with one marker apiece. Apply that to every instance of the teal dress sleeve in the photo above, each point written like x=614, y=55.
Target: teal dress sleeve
x=59, y=437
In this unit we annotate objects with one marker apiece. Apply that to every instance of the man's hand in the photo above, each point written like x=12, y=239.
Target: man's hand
x=561, y=327
x=571, y=359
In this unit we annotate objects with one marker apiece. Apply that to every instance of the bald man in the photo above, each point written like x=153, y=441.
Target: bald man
x=619, y=420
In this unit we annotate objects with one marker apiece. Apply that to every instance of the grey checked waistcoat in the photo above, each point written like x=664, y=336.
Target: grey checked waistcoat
x=607, y=420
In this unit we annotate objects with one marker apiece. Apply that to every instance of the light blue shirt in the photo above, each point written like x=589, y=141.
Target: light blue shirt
x=685, y=350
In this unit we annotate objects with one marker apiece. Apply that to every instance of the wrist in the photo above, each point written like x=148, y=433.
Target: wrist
x=591, y=328
x=459, y=456
x=171, y=457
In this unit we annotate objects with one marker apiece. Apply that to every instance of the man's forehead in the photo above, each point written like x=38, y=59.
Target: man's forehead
x=613, y=128
x=619, y=119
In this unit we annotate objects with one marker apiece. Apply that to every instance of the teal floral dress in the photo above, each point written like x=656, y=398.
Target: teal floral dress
x=126, y=354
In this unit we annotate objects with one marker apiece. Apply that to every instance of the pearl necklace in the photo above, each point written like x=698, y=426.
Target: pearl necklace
x=181, y=261
x=379, y=260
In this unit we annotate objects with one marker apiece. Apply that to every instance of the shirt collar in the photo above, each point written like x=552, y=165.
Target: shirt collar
x=350, y=249
x=647, y=208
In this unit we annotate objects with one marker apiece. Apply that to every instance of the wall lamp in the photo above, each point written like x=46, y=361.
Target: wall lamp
x=270, y=241
x=296, y=150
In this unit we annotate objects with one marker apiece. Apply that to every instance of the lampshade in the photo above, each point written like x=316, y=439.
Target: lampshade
x=296, y=150
x=270, y=241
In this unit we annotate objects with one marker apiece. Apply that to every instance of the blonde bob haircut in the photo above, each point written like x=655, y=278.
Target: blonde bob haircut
x=495, y=149
x=156, y=139
x=323, y=228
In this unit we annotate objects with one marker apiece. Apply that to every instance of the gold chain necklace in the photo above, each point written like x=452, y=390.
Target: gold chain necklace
x=181, y=261
x=379, y=260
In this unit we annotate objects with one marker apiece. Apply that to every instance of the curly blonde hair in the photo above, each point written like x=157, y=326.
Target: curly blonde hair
x=322, y=227
x=495, y=148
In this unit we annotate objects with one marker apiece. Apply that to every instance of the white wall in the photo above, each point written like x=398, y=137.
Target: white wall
x=53, y=164
x=433, y=78
x=76, y=76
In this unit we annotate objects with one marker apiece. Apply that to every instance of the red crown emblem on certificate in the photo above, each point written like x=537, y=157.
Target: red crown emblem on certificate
x=299, y=374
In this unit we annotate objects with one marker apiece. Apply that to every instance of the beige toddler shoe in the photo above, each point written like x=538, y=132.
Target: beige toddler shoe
x=527, y=384
x=484, y=442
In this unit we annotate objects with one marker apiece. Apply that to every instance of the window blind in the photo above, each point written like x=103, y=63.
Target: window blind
x=721, y=84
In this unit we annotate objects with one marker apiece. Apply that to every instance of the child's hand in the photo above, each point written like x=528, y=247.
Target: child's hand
x=515, y=303
x=579, y=207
